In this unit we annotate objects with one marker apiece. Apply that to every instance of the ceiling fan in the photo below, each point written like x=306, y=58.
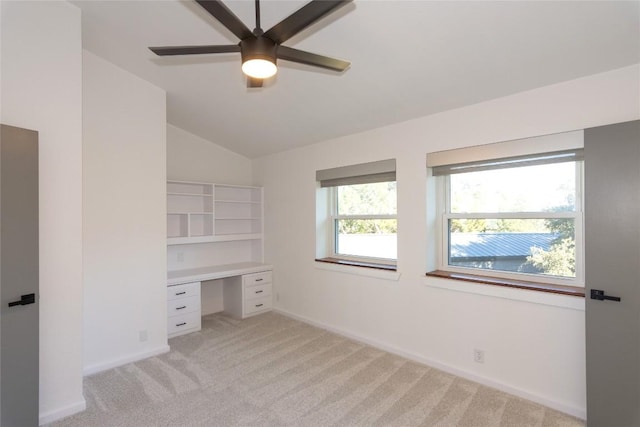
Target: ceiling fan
x=260, y=49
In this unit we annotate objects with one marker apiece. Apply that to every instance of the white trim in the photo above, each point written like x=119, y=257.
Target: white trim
x=359, y=271
x=559, y=406
x=94, y=369
x=512, y=215
x=516, y=294
x=381, y=216
x=63, y=412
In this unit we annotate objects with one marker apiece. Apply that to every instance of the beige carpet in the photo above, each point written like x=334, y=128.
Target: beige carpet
x=271, y=370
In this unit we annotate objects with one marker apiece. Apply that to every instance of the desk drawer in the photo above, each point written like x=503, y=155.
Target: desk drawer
x=184, y=323
x=256, y=278
x=180, y=306
x=257, y=305
x=257, y=291
x=183, y=291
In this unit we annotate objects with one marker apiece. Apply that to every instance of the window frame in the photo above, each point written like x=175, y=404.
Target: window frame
x=444, y=214
x=334, y=217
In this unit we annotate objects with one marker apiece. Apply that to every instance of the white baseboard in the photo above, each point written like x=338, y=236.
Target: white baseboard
x=63, y=412
x=99, y=367
x=543, y=400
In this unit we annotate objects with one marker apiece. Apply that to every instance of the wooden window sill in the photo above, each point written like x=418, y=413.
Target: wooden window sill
x=519, y=284
x=377, y=266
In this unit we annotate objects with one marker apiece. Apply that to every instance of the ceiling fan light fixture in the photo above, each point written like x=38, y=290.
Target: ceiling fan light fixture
x=258, y=57
x=259, y=68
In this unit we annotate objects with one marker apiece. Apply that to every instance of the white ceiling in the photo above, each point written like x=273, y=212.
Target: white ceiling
x=409, y=59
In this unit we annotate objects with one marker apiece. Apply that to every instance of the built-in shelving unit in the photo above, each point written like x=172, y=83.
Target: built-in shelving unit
x=205, y=212
x=214, y=232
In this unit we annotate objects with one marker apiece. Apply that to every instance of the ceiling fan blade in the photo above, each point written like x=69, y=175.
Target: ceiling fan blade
x=194, y=50
x=302, y=18
x=295, y=55
x=253, y=82
x=222, y=13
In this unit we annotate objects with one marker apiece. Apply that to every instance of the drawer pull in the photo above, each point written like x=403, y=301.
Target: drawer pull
x=259, y=280
x=181, y=324
x=181, y=293
x=259, y=305
x=259, y=292
x=180, y=308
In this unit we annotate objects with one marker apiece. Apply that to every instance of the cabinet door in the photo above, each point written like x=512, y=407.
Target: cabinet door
x=612, y=239
x=19, y=276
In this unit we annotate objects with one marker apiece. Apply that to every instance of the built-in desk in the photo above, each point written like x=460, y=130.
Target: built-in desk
x=246, y=292
x=215, y=272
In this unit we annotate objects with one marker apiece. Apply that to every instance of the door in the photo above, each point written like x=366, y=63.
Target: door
x=18, y=277
x=612, y=239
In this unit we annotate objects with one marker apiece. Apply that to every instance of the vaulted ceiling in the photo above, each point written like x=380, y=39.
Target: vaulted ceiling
x=409, y=59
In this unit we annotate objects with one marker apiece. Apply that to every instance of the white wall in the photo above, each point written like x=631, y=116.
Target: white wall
x=124, y=202
x=191, y=158
x=533, y=343
x=42, y=90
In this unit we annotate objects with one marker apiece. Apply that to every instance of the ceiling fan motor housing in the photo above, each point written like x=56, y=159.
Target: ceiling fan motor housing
x=258, y=48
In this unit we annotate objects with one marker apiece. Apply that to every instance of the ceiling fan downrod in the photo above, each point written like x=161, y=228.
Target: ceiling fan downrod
x=258, y=19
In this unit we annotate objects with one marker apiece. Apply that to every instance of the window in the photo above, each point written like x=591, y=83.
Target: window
x=364, y=221
x=357, y=214
x=518, y=217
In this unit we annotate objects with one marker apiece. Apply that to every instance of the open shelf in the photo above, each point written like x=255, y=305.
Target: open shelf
x=238, y=210
x=238, y=226
x=238, y=194
x=177, y=225
x=189, y=188
x=213, y=239
x=207, y=213
x=201, y=224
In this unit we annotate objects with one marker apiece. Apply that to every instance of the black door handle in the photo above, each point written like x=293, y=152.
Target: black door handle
x=600, y=296
x=24, y=300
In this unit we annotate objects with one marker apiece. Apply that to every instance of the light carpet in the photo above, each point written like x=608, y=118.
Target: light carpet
x=271, y=370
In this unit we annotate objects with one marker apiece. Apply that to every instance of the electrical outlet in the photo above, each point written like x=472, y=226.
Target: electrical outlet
x=180, y=256
x=478, y=355
x=143, y=335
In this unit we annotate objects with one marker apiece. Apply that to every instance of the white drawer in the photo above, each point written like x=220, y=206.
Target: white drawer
x=257, y=304
x=184, y=323
x=257, y=291
x=180, y=306
x=256, y=278
x=183, y=291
